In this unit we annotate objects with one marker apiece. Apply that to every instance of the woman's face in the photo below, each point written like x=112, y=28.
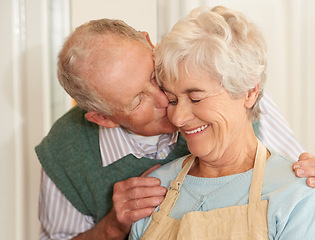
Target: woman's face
x=209, y=119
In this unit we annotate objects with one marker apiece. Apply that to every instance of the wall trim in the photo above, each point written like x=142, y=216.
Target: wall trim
x=18, y=36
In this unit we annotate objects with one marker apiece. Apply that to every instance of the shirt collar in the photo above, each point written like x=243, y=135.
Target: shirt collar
x=116, y=143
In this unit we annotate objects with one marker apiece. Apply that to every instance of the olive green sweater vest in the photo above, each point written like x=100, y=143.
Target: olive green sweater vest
x=70, y=155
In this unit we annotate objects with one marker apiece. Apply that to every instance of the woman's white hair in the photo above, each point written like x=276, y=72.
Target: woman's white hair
x=220, y=41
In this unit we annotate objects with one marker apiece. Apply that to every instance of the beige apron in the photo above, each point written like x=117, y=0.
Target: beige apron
x=236, y=222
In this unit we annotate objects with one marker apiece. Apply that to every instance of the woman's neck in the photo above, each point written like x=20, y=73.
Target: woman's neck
x=238, y=157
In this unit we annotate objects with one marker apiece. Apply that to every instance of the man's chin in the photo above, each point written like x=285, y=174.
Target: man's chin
x=168, y=127
x=162, y=129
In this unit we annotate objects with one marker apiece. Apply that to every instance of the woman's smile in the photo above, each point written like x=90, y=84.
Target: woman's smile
x=196, y=130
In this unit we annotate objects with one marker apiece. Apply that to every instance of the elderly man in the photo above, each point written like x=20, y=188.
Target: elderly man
x=93, y=186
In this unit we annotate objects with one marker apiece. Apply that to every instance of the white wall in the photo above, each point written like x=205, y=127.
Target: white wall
x=22, y=99
x=140, y=14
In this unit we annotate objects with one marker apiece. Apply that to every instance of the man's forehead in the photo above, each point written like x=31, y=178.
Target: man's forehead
x=126, y=75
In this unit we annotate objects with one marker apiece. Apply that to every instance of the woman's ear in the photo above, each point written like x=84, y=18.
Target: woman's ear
x=251, y=96
x=100, y=120
x=148, y=38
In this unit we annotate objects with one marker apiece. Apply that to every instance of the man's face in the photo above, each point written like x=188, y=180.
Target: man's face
x=128, y=85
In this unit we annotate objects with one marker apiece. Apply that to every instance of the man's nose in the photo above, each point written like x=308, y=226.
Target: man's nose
x=161, y=100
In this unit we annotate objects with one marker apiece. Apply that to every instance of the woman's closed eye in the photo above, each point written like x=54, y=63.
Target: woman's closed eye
x=195, y=100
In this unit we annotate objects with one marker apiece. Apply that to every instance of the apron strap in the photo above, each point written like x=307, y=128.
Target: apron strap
x=255, y=205
x=258, y=174
x=173, y=192
x=176, y=184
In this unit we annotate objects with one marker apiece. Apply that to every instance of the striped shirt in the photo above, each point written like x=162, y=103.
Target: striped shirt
x=275, y=132
x=60, y=220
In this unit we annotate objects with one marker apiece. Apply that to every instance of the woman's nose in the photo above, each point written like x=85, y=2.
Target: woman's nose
x=180, y=114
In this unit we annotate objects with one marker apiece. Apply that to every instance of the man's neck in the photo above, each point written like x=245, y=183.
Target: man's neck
x=150, y=140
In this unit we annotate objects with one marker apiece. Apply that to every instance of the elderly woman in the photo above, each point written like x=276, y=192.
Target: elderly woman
x=212, y=68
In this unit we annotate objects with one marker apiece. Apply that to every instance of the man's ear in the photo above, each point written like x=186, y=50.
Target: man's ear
x=148, y=38
x=251, y=96
x=100, y=120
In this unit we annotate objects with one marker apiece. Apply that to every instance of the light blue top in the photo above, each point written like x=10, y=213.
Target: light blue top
x=291, y=212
